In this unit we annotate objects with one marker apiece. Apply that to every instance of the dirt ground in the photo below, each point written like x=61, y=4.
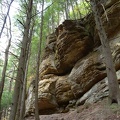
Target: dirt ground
x=97, y=111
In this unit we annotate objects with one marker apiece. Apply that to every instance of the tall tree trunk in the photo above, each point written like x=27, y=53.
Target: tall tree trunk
x=5, y=65
x=114, y=91
x=38, y=64
x=21, y=66
x=22, y=98
x=22, y=108
x=66, y=9
x=18, y=106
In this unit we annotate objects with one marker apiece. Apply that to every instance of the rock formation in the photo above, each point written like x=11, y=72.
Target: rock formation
x=72, y=70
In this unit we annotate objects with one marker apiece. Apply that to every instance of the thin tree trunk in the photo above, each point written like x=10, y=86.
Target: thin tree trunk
x=11, y=80
x=4, y=114
x=48, y=27
x=38, y=64
x=53, y=22
x=7, y=113
x=22, y=110
x=21, y=66
x=114, y=92
x=4, y=69
x=73, y=9
x=66, y=9
x=5, y=65
x=0, y=111
x=58, y=21
x=80, y=15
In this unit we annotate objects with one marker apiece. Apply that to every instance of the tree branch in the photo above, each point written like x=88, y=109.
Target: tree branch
x=6, y=18
x=43, y=10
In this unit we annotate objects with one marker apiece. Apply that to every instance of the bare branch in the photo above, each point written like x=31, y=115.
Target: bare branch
x=6, y=18
x=20, y=22
x=10, y=77
x=105, y=12
x=14, y=55
x=43, y=10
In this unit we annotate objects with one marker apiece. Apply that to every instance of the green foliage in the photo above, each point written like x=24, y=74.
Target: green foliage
x=83, y=8
x=6, y=99
x=7, y=96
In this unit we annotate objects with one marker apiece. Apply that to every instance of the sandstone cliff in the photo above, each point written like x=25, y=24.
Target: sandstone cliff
x=72, y=71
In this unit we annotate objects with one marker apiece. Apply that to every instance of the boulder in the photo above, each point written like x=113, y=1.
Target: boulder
x=63, y=90
x=72, y=44
x=46, y=94
x=86, y=73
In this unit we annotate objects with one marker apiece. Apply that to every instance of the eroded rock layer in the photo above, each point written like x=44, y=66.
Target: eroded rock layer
x=73, y=70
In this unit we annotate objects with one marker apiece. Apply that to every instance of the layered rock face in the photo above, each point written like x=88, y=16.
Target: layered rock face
x=73, y=69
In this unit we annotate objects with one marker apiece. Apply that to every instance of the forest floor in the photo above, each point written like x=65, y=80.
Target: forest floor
x=97, y=111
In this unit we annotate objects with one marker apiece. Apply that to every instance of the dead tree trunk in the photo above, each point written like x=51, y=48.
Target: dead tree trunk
x=114, y=92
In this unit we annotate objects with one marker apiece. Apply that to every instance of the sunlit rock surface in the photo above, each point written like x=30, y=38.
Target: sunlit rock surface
x=73, y=68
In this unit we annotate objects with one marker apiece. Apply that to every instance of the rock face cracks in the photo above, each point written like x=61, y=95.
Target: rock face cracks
x=73, y=67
